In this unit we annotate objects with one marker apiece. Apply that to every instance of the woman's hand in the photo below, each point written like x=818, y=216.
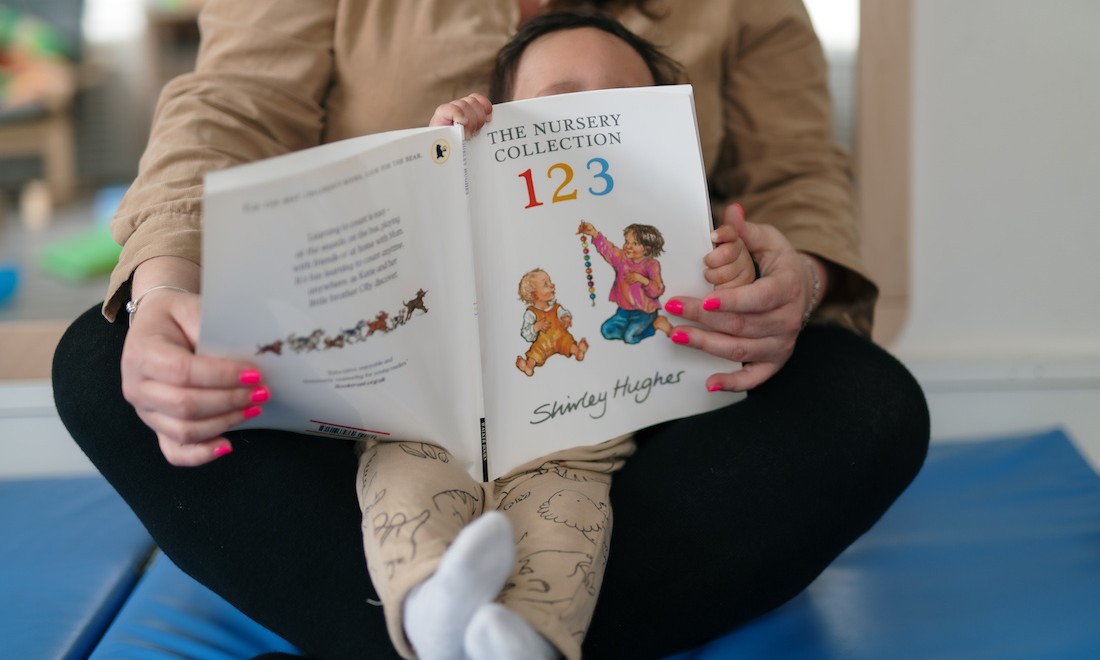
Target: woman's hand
x=188, y=400
x=755, y=324
x=471, y=112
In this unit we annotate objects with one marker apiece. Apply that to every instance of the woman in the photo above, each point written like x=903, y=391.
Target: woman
x=773, y=488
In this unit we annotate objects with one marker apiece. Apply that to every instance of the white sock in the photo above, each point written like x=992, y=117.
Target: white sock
x=472, y=572
x=498, y=633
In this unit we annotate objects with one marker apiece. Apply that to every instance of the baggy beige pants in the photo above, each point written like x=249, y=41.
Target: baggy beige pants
x=415, y=500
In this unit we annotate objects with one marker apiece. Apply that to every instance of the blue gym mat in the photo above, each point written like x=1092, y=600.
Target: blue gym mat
x=993, y=552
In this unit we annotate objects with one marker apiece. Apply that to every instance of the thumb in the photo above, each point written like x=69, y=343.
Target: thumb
x=735, y=217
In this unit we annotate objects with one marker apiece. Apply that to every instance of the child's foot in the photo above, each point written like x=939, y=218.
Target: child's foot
x=663, y=324
x=524, y=366
x=581, y=349
x=498, y=633
x=470, y=575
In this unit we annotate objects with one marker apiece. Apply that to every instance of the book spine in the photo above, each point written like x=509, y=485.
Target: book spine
x=484, y=454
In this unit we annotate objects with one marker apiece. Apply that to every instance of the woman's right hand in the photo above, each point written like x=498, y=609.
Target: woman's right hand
x=188, y=400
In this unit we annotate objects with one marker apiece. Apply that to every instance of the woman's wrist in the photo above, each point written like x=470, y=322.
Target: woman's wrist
x=161, y=275
x=819, y=279
x=135, y=302
x=165, y=271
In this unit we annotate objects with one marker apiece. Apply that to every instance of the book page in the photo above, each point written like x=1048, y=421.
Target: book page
x=343, y=272
x=600, y=363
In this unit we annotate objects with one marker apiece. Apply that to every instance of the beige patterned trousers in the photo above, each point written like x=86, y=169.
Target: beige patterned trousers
x=415, y=500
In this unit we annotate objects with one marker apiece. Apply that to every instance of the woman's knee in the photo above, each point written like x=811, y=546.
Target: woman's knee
x=87, y=384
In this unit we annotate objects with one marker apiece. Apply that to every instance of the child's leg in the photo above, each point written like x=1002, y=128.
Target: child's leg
x=562, y=521
x=438, y=613
x=415, y=501
x=639, y=326
x=497, y=632
x=541, y=349
x=614, y=327
x=578, y=349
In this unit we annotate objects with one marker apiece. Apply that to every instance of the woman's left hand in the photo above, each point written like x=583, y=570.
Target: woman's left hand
x=755, y=324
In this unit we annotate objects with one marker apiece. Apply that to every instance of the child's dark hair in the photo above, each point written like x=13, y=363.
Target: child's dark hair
x=665, y=70
x=649, y=236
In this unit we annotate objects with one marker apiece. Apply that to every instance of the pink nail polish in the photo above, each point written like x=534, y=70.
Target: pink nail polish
x=260, y=394
x=679, y=337
x=222, y=450
x=674, y=307
x=250, y=377
x=711, y=304
x=714, y=388
x=252, y=411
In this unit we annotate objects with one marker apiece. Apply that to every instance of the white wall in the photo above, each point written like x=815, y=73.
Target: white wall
x=1006, y=180
x=1003, y=329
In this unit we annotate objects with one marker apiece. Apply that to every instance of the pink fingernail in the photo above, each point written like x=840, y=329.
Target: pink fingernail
x=679, y=337
x=711, y=304
x=250, y=377
x=260, y=394
x=252, y=411
x=674, y=307
x=222, y=450
x=714, y=388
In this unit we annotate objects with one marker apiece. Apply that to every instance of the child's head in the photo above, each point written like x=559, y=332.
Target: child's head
x=535, y=286
x=647, y=236
x=576, y=51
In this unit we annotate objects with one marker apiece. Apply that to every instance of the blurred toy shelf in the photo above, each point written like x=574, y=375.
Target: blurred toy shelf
x=49, y=275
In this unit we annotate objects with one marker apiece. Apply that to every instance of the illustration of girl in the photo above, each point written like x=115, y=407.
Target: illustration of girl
x=638, y=284
x=545, y=323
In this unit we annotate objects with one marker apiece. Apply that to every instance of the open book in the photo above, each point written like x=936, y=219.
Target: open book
x=480, y=295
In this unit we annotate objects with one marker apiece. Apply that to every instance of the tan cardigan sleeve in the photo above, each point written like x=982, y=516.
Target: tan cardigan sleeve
x=258, y=90
x=782, y=162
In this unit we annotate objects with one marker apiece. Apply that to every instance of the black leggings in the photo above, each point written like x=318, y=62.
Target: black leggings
x=719, y=518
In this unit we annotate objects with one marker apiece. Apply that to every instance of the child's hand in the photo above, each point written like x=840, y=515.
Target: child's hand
x=637, y=278
x=729, y=264
x=543, y=325
x=471, y=112
x=587, y=229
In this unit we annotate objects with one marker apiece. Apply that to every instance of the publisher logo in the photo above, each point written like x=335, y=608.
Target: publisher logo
x=441, y=151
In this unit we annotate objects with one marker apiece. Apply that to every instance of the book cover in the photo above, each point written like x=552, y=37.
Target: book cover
x=500, y=296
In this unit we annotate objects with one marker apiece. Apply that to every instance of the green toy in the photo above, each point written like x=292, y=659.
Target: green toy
x=93, y=252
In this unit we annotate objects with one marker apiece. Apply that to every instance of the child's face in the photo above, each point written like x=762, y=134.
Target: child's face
x=578, y=60
x=542, y=289
x=633, y=250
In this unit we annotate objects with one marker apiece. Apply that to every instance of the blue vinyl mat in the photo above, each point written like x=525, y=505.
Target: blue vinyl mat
x=993, y=552
x=70, y=554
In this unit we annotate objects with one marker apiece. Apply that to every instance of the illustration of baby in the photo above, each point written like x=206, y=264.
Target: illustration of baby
x=638, y=284
x=545, y=323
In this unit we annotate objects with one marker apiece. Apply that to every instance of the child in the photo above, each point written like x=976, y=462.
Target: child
x=638, y=284
x=545, y=323
x=511, y=568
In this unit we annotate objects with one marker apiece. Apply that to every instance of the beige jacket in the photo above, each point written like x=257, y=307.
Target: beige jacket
x=281, y=75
